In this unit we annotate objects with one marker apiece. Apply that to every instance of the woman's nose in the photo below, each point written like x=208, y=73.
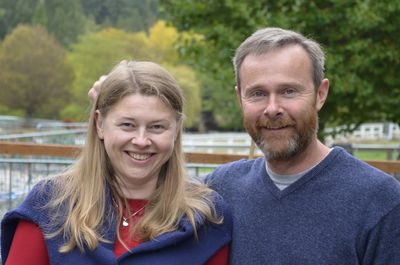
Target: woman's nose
x=141, y=139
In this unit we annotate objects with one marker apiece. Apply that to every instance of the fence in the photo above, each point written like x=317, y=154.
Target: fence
x=368, y=131
x=71, y=151
x=228, y=143
x=22, y=164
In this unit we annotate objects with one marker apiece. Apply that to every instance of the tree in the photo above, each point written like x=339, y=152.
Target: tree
x=64, y=19
x=187, y=80
x=40, y=15
x=15, y=12
x=96, y=53
x=34, y=75
x=130, y=15
x=93, y=56
x=360, y=38
x=162, y=40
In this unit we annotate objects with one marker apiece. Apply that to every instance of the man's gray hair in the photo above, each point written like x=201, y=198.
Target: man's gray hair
x=267, y=39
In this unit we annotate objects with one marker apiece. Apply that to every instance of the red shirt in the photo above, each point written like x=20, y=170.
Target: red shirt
x=28, y=243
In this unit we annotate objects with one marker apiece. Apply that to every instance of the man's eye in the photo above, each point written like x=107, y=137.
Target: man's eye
x=289, y=91
x=258, y=94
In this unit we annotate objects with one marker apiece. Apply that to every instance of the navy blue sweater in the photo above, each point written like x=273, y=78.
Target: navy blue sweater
x=341, y=212
x=174, y=248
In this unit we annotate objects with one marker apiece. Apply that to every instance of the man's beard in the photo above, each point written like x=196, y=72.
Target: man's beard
x=301, y=134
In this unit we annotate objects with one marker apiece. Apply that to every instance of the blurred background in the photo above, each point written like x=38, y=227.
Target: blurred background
x=52, y=51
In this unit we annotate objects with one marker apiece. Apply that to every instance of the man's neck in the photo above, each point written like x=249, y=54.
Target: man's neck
x=310, y=157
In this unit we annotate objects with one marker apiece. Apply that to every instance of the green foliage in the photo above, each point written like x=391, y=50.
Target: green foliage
x=15, y=12
x=162, y=41
x=93, y=56
x=360, y=37
x=63, y=19
x=98, y=34
x=4, y=110
x=96, y=53
x=132, y=15
x=187, y=80
x=40, y=15
x=34, y=76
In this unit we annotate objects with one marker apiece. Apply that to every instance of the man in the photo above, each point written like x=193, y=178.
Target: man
x=302, y=203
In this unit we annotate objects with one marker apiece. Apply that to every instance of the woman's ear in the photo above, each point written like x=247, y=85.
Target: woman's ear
x=99, y=124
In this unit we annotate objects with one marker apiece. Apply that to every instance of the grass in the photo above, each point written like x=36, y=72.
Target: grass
x=371, y=155
x=375, y=155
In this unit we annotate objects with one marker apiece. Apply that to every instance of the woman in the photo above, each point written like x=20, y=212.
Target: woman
x=127, y=199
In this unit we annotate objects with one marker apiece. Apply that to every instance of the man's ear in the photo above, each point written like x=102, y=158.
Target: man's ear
x=99, y=124
x=322, y=93
x=238, y=95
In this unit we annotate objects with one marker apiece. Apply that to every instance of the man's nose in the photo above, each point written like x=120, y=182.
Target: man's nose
x=273, y=107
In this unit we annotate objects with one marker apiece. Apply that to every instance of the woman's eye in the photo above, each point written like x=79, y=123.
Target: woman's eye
x=158, y=127
x=126, y=125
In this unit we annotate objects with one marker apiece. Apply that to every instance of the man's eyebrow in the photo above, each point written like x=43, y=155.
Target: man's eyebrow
x=291, y=84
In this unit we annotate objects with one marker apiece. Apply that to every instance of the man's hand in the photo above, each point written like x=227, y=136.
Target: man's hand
x=95, y=90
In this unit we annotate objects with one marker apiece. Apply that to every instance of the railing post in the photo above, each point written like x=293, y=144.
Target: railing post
x=29, y=176
x=10, y=187
x=389, y=154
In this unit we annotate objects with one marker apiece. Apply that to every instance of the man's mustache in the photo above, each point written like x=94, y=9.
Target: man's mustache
x=274, y=124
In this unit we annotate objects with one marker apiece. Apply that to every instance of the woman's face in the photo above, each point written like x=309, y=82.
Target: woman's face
x=139, y=133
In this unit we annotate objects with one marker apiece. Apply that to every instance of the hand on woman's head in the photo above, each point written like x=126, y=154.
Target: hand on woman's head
x=95, y=89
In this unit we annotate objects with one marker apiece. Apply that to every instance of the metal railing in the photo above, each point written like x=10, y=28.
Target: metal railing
x=23, y=164
x=71, y=136
x=19, y=175
x=225, y=142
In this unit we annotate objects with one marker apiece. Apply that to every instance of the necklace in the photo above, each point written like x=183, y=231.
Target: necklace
x=125, y=220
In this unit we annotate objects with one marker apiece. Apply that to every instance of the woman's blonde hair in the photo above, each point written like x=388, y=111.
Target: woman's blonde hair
x=82, y=190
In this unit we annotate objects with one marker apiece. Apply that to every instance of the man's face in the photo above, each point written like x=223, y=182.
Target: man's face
x=279, y=102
